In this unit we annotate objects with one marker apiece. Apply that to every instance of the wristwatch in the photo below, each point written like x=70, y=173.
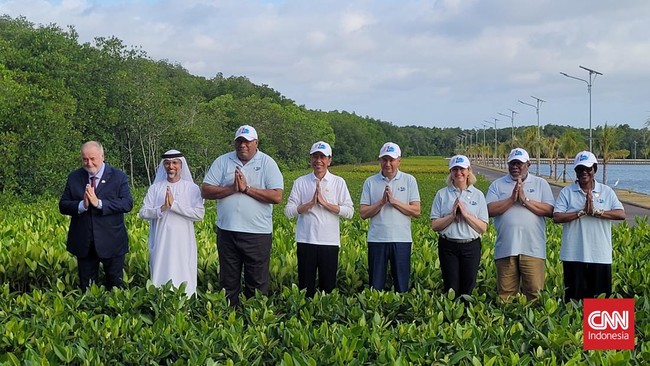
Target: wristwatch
x=598, y=212
x=246, y=190
x=581, y=213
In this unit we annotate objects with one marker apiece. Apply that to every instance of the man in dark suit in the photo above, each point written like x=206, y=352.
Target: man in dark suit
x=97, y=196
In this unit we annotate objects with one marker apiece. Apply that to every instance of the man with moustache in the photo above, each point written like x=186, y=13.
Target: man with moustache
x=318, y=199
x=96, y=197
x=172, y=204
x=246, y=183
x=519, y=203
x=390, y=199
x=586, y=210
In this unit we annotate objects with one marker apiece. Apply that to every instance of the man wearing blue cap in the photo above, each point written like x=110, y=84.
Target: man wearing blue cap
x=246, y=183
x=318, y=199
x=519, y=203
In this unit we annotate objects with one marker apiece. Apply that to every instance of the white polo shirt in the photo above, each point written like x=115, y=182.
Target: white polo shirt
x=519, y=231
x=474, y=201
x=390, y=225
x=240, y=212
x=587, y=239
x=318, y=225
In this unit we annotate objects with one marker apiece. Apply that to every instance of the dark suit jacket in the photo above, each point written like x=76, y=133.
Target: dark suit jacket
x=106, y=226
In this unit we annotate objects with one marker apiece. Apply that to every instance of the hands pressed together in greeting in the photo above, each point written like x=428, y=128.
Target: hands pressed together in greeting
x=518, y=194
x=169, y=200
x=318, y=199
x=90, y=198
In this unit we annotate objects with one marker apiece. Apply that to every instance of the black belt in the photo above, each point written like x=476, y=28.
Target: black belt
x=458, y=241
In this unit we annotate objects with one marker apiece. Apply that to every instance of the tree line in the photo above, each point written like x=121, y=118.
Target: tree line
x=56, y=93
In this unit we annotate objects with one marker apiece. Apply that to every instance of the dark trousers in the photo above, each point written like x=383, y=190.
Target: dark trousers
x=586, y=280
x=459, y=264
x=88, y=268
x=313, y=258
x=250, y=251
x=399, y=256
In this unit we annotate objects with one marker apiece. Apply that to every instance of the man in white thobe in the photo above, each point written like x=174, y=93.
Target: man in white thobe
x=172, y=204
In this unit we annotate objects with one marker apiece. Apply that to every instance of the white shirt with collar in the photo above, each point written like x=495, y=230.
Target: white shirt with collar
x=475, y=204
x=318, y=225
x=519, y=231
x=587, y=239
x=390, y=225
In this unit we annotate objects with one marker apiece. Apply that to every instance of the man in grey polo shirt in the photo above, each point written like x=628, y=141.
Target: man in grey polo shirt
x=246, y=183
x=390, y=198
x=519, y=203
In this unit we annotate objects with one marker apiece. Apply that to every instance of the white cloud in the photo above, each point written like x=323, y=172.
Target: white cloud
x=444, y=62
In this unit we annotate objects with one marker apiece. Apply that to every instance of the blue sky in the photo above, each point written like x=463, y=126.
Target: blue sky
x=431, y=63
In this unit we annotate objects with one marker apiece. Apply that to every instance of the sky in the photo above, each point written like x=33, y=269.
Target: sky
x=445, y=63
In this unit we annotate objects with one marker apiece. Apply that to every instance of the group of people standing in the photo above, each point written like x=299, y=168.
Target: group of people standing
x=519, y=202
x=246, y=183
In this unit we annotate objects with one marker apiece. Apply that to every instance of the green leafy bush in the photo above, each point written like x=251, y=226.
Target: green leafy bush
x=46, y=320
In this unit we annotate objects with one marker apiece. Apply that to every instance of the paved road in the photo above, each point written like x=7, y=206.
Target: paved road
x=631, y=211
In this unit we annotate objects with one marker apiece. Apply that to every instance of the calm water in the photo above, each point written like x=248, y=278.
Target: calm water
x=633, y=177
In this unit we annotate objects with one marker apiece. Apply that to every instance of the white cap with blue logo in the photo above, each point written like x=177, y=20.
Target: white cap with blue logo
x=321, y=147
x=390, y=149
x=518, y=154
x=585, y=158
x=460, y=161
x=247, y=132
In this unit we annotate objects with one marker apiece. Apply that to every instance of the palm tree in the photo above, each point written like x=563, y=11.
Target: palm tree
x=503, y=149
x=569, y=144
x=552, y=149
x=608, y=142
x=534, y=142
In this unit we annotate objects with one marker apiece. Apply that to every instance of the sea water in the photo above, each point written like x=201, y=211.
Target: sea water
x=633, y=177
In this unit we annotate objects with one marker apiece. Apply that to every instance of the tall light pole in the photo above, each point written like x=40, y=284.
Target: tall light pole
x=495, y=140
x=539, y=103
x=478, y=128
x=634, y=150
x=592, y=77
x=512, y=123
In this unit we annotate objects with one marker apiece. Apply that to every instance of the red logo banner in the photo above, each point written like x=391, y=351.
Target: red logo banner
x=608, y=324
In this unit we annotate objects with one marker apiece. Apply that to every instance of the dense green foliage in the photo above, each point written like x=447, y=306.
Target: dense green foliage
x=45, y=320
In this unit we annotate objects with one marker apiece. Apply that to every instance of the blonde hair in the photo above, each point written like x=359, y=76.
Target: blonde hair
x=471, y=178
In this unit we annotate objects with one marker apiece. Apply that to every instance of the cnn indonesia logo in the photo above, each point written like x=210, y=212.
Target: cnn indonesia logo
x=608, y=324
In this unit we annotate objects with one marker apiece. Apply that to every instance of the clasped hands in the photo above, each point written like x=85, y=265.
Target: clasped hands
x=518, y=194
x=458, y=211
x=169, y=200
x=388, y=196
x=90, y=198
x=589, y=206
x=317, y=199
x=240, y=184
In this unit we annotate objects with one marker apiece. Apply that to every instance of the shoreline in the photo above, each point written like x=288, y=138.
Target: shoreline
x=637, y=199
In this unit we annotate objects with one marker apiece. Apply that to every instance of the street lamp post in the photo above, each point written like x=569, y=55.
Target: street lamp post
x=512, y=123
x=634, y=150
x=477, y=144
x=539, y=103
x=592, y=77
x=494, y=162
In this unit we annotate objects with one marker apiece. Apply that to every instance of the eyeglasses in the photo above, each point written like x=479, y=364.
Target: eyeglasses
x=582, y=168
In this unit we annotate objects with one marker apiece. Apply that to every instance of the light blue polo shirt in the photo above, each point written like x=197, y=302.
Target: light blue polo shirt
x=587, y=239
x=474, y=201
x=240, y=212
x=520, y=231
x=390, y=225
